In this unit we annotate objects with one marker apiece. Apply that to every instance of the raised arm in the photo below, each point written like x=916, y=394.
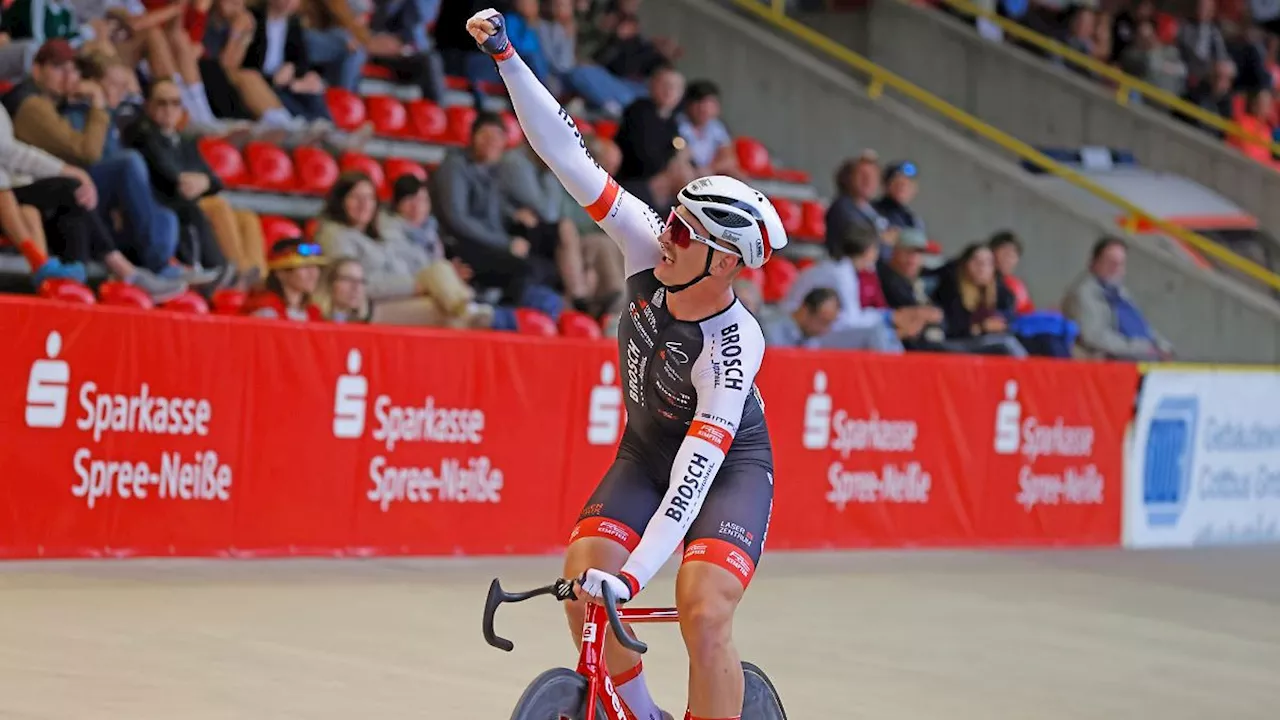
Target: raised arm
x=555, y=137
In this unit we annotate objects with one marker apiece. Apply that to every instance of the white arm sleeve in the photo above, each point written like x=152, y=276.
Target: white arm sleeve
x=555, y=137
x=722, y=395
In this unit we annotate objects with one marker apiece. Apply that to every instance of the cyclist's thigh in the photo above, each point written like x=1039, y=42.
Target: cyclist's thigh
x=621, y=505
x=731, y=527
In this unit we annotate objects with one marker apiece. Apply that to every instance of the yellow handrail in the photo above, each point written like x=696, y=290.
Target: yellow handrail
x=1126, y=81
x=774, y=15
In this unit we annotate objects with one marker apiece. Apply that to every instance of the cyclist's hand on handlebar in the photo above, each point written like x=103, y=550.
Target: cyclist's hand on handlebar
x=489, y=29
x=593, y=582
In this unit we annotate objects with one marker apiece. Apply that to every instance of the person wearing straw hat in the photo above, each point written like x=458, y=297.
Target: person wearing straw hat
x=294, y=266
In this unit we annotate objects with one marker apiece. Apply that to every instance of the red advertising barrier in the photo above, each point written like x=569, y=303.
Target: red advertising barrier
x=135, y=433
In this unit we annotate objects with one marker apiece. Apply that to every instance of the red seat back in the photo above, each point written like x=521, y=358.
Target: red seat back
x=461, y=118
x=229, y=301
x=269, y=168
x=122, y=294
x=779, y=274
x=515, y=134
x=224, y=159
x=753, y=157
x=316, y=170
x=396, y=167
x=345, y=107
x=789, y=211
x=532, y=322
x=815, y=221
x=387, y=114
x=275, y=229
x=580, y=325
x=606, y=129
x=359, y=162
x=427, y=121
x=189, y=302
x=67, y=291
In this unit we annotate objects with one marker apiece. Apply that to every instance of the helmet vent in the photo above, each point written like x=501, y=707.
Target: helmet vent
x=727, y=219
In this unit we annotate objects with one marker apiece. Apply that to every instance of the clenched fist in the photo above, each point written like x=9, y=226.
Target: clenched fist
x=489, y=29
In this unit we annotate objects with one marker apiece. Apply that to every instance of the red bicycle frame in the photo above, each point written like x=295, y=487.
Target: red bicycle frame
x=591, y=663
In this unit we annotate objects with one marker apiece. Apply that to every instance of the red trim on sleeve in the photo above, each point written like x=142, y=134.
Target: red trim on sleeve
x=598, y=209
x=714, y=434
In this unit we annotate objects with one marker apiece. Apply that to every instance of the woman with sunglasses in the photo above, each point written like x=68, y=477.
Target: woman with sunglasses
x=294, y=275
x=695, y=462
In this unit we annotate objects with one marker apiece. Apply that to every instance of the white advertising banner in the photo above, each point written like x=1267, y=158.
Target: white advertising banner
x=1204, y=466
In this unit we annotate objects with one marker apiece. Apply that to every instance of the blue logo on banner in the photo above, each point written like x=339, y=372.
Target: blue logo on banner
x=1166, y=481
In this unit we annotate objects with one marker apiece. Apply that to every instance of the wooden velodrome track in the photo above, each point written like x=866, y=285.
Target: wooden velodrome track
x=909, y=635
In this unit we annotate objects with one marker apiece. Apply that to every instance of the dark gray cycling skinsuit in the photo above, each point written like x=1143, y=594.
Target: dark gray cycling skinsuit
x=695, y=463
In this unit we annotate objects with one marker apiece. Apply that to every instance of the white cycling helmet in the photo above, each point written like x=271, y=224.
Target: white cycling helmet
x=738, y=214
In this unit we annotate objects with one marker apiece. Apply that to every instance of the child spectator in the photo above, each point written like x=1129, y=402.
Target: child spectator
x=1007, y=249
x=294, y=275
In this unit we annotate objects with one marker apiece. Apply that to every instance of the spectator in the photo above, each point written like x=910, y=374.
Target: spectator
x=228, y=33
x=150, y=232
x=857, y=182
x=185, y=184
x=597, y=86
x=1201, y=43
x=469, y=199
x=870, y=291
x=900, y=189
x=279, y=52
x=1249, y=52
x=1213, y=93
x=1007, y=249
x=629, y=56
x=1125, y=28
x=710, y=144
x=458, y=49
x=1111, y=325
x=408, y=281
x=1256, y=122
x=336, y=41
x=976, y=308
x=1081, y=30
x=806, y=325
x=1152, y=58
x=857, y=327
x=400, y=43
x=1103, y=44
x=653, y=167
x=342, y=297
x=601, y=258
x=294, y=275
x=522, y=30
x=919, y=322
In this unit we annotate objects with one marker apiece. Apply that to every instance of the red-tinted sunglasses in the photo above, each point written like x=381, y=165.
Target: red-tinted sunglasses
x=682, y=233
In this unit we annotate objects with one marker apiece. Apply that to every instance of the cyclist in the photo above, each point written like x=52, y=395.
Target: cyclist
x=695, y=461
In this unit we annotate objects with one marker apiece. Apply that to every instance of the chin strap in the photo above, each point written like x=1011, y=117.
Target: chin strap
x=706, y=272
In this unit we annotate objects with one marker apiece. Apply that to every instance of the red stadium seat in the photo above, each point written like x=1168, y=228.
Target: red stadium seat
x=789, y=211
x=584, y=127
x=427, y=121
x=387, y=114
x=122, y=294
x=359, y=162
x=606, y=129
x=224, y=159
x=779, y=274
x=753, y=157
x=580, y=325
x=67, y=291
x=805, y=263
x=309, y=230
x=515, y=134
x=269, y=167
x=453, y=82
x=346, y=108
x=275, y=229
x=396, y=167
x=377, y=72
x=189, y=302
x=229, y=301
x=755, y=276
x=461, y=118
x=814, y=228
x=799, y=177
x=532, y=322
x=316, y=170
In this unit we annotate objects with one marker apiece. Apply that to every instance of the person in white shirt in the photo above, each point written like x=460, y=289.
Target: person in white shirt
x=709, y=142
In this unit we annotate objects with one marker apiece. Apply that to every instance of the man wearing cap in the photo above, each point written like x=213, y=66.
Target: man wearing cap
x=123, y=181
x=899, y=190
x=904, y=291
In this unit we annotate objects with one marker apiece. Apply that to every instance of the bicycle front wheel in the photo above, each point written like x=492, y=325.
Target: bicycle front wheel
x=557, y=694
x=760, y=699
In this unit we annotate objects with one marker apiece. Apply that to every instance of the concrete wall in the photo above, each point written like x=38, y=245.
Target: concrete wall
x=812, y=115
x=1043, y=104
